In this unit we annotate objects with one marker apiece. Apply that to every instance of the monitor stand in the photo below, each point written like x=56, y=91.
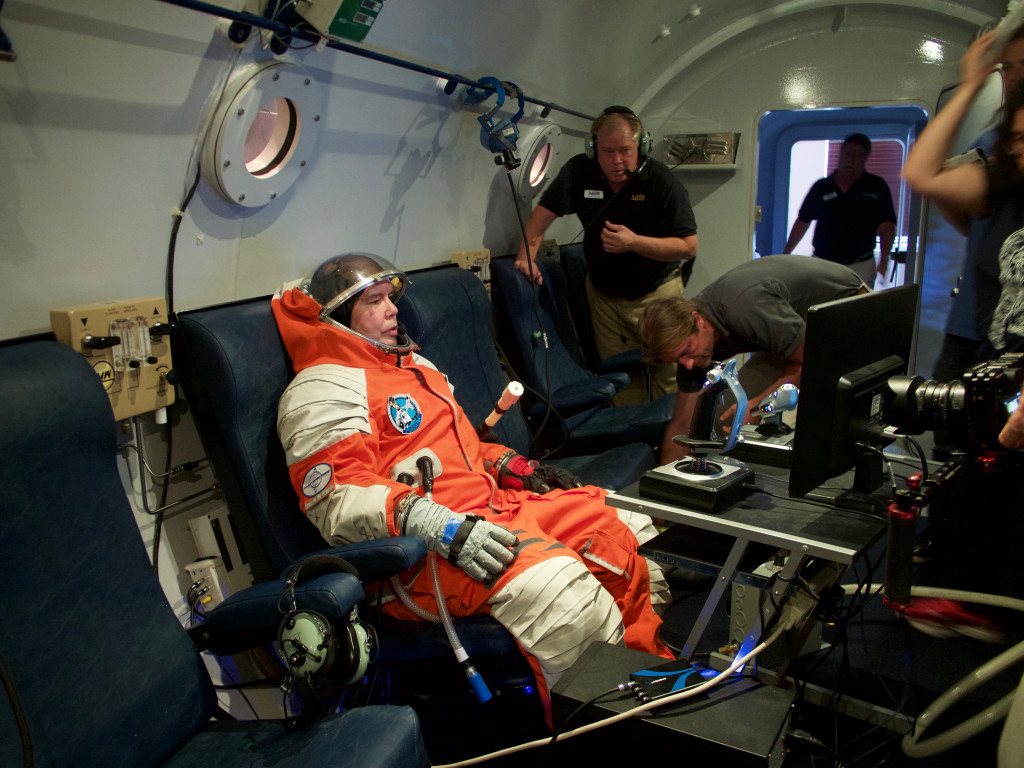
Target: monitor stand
x=867, y=478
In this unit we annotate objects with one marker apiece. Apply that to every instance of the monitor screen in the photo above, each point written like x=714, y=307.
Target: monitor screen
x=851, y=348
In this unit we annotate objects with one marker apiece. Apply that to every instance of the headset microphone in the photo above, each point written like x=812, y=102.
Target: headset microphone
x=639, y=170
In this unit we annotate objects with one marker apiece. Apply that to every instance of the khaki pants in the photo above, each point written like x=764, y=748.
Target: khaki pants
x=615, y=331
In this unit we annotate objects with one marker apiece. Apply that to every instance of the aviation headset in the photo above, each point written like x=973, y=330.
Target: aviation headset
x=643, y=146
x=310, y=642
x=495, y=135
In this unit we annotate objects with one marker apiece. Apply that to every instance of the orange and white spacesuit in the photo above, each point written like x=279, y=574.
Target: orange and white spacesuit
x=360, y=413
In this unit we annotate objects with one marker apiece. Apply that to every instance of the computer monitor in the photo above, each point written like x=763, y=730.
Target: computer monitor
x=851, y=348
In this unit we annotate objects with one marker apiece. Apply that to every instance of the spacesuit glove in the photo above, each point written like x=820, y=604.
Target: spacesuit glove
x=480, y=548
x=516, y=473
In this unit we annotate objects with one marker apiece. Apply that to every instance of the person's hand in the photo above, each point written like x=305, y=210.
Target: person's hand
x=617, y=238
x=528, y=269
x=516, y=473
x=978, y=62
x=753, y=416
x=1012, y=434
x=480, y=548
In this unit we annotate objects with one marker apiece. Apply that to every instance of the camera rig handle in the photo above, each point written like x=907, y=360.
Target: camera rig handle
x=903, y=515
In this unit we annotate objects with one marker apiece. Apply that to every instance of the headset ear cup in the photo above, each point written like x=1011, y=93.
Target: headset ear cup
x=307, y=642
x=353, y=655
x=342, y=659
x=644, y=147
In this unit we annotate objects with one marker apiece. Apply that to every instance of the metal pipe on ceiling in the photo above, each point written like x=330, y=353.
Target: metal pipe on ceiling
x=281, y=29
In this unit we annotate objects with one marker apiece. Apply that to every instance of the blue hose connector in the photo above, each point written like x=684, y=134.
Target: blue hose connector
x=476, y=682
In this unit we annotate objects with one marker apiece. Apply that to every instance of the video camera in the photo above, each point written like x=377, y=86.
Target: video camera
x=973, y=409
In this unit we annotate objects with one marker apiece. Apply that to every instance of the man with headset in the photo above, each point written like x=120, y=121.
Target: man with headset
x=638, y=228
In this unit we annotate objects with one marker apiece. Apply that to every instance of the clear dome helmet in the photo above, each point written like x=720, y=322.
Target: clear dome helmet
x=337, y=283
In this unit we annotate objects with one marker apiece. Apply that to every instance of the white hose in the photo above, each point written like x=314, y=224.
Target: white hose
x=401, y=594
x=442, y=608
x=443, y=615
x=912, y=746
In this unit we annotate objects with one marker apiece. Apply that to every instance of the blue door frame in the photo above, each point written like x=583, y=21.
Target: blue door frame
x=779, y=130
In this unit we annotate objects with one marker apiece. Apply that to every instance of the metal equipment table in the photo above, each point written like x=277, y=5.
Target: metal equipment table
x=731, y=544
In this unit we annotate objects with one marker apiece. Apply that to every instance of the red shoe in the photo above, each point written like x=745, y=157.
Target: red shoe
x=947, y=618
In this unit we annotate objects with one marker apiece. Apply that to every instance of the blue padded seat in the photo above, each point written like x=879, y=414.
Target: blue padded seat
x=580, y=396
x=97, y=669
x=574, y=267
x=447, y=312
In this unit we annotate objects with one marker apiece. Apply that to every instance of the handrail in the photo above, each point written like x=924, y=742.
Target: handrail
x=280, y=28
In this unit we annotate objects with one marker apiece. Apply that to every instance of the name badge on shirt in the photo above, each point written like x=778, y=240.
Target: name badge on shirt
x=593, y=194
x=830, y=196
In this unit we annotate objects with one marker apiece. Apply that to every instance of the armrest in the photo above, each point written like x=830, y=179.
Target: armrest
x=377, y=559
x=252, y=616
x=595, y=391
x=624, y=362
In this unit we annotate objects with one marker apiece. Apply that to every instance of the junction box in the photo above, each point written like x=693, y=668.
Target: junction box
x=210, y=579
x=127, y=345
x=478, y=261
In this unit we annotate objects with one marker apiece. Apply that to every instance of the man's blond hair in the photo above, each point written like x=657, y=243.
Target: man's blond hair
x=664, y=325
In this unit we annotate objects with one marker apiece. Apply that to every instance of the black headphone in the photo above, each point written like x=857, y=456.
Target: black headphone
x=310, y=643
x=643, y=146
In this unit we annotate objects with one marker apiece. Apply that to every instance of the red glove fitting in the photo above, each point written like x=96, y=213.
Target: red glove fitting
x=513, y=473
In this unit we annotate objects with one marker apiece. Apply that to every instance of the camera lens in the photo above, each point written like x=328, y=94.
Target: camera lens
x=917, y=404
x=940, y=404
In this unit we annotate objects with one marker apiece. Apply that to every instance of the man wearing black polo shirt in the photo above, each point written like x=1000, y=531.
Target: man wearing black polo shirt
x=638, y=228
x=851, y=207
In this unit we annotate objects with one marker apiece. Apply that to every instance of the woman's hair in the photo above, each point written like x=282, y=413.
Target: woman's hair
x=1005, y=175
x=664, y=325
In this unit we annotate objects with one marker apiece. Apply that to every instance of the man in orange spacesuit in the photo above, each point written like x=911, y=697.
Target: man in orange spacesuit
x=526, y=544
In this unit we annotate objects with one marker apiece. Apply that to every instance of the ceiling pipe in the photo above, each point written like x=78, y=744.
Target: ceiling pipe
x=283, y=30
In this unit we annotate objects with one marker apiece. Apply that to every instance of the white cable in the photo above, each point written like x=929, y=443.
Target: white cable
x=912, y=745
x=739, y=662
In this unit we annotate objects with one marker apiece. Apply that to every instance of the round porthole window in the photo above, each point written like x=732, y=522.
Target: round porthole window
x=272, y=138
x=538, y=156
x=263, y=133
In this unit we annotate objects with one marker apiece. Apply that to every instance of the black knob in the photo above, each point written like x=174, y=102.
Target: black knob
x=160, y=329
x=100, y=342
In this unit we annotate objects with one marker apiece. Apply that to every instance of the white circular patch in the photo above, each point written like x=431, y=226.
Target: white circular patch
x=317, y=478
